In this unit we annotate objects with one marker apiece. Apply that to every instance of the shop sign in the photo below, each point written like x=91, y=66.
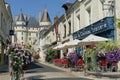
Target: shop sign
x=95, y=28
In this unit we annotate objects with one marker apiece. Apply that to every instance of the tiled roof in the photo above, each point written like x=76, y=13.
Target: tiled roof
x=32, y=22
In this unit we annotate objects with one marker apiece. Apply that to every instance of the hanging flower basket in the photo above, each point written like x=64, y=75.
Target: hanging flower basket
x=113, y=56
x=101, y=55
x=37, y=56
x=25, y=67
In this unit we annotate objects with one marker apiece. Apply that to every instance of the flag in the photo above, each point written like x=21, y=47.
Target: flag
x=56, y=31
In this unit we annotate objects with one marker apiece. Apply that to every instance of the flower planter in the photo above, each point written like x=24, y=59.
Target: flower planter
x=36, y=56
x=25, y=67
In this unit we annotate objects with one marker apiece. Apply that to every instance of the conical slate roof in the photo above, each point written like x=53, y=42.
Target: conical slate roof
x=33, y=22
x=21, y=17
x=45, y=16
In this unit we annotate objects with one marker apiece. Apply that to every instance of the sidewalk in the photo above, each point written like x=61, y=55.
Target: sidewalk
x=3, y=68
x=4, y=73
x=105, y=74
x=90, y=75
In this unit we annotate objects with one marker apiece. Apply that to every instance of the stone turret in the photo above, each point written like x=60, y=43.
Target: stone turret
x=45, y=20
x=20, y=20
x=21, y=16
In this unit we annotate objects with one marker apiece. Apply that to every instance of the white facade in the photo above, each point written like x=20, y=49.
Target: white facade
x=85, y=13
x=117, y=16
x=47, y=40
x=26, y=34
x=82, y=14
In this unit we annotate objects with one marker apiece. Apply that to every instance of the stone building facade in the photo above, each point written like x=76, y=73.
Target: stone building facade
x=5, y=27
x=85, y=17
x=25, y=29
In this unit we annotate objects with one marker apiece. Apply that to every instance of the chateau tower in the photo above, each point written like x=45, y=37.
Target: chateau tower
x=25, y=29
x=45, y=22
x=20, y=20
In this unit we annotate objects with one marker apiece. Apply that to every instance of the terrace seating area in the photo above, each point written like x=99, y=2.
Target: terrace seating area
x=61, y=62
x=67, y=64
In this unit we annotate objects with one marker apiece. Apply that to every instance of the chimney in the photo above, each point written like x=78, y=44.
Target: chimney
x=39, y=17
x=25, y=17
x=16, y=18
x=55, y=19
x=67, y=5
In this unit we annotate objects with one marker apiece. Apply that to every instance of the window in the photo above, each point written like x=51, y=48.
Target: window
x=64, y=31
x=53, y=33
x=37, y=34
x=29, y=34
x=69, y=23
x=22, y=43
x=22, y=33
x=22, y=38
x=88, y=15
x=78, y=21
x=29, y=38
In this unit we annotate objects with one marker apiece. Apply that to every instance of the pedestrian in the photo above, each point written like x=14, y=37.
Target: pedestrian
x=114, y=66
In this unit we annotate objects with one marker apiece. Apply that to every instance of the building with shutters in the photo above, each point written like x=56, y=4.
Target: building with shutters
x=85, y=17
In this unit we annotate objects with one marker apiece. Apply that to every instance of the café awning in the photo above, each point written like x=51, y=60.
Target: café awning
x=92, y=39
x=72, y=43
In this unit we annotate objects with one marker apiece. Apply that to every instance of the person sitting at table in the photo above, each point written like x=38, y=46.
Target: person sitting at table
x=103, y=65
x=114, y=66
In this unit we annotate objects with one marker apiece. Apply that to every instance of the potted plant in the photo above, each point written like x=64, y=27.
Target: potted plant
x=19, y=59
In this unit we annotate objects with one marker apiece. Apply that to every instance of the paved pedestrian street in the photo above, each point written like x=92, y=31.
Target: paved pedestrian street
x=48, y=71
x=38, y=71
x=45, y=71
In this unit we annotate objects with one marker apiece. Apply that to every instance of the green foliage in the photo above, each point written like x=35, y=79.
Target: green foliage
x=50, y=52
x=28, y=46
x=88, y=52
x=117, y=22
x=110, y=45
x=33, y=51
x=107, y=46
x=92, y=53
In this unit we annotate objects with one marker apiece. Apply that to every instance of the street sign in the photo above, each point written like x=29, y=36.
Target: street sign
x=11, y=32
